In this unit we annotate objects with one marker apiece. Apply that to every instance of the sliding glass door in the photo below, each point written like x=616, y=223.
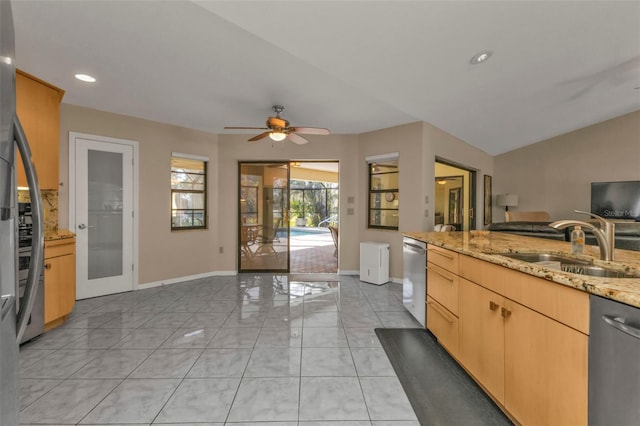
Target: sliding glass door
x=263, y=217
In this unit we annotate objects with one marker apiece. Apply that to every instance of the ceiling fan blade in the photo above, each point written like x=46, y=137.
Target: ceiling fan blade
x=296, y=139
x=260, y=136
x=246, y=128
x=311, y=130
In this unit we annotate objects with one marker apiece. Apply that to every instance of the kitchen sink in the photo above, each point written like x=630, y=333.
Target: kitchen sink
x=595, y=271
x=571, y=265
x=544, y=257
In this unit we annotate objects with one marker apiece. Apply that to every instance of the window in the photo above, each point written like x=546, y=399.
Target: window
x=188, y=192
x=384, y=196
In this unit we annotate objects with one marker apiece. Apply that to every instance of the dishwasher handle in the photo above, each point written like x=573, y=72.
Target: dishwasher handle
x=618, y=323
x=414, y=247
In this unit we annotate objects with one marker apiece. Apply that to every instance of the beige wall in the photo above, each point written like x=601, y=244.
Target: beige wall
x=419, y=144
x=162, y=254
x=541, y=174
x=165, y=255
x=555, y=175
x=406, y=140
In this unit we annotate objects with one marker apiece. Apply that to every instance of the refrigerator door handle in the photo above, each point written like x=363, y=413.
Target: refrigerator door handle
x=37, y=248
x=7, y=303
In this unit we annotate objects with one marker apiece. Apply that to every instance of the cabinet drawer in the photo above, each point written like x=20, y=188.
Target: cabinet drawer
x=564, y=304
x=57, y=248
x=442, y=286
x=444, y=325
x=444, y=258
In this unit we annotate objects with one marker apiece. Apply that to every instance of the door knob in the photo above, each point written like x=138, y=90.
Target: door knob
x=83, y=226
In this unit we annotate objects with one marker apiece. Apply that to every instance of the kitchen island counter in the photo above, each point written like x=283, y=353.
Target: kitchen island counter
x=488, y=246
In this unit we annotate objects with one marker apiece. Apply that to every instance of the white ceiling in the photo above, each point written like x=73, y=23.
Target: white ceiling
x=350, y=66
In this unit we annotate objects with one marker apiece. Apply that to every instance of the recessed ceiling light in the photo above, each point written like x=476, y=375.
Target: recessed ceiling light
x=86, y=78
x=481, y=57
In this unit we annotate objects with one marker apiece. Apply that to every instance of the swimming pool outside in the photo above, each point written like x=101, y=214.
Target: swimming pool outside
x=297, y=231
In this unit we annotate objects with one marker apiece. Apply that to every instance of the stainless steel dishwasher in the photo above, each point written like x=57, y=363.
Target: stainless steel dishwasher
x=414, y=280
x=614, y=363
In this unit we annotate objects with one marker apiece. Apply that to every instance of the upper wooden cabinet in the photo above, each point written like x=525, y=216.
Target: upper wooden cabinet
x=38, y=108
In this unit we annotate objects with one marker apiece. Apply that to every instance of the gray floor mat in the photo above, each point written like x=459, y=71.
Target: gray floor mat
x=439, y=390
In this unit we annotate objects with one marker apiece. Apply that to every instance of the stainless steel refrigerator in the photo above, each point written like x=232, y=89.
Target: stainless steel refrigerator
x=15, y=309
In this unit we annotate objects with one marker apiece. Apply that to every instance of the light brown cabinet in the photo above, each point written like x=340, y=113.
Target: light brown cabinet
x=481, y=334
x=59, y=280
x=38, y=108
x=545, y=369
x=523, y=339
x=442, y=297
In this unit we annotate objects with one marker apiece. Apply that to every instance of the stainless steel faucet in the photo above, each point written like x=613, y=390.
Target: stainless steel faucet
x=605, y=234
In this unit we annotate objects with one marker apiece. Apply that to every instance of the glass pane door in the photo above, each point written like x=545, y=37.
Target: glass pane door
x=104, y=217
x=263, y=218
x=105, y=237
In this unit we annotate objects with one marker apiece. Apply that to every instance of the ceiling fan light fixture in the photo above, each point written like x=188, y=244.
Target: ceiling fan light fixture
x=277, y=136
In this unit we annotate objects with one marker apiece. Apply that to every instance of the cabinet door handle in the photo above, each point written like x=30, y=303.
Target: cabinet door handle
x=448, y=256
x=47, y=266
x=439, y=310
x=493, y=305
x=505, y=312
x=441, y=274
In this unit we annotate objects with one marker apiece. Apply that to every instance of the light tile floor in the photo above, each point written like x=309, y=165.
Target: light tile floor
x=255, y=349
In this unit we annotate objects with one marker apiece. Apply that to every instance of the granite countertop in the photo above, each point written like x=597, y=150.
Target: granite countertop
x=58, y=234
x=488, y=246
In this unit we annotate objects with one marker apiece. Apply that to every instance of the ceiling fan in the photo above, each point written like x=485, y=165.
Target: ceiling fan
x=278, y=129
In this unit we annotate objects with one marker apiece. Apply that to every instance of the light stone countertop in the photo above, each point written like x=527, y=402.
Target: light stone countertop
x=58, y=234
x=488, y=246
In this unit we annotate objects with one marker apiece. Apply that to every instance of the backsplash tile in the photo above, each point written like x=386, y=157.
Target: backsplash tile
x=49, y=206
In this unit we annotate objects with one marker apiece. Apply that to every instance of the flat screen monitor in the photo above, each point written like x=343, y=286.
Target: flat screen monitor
x=616, y=200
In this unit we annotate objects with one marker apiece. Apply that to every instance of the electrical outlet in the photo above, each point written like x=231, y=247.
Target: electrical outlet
x=426, y=212
x=350, y=212
x=426, y=199
x=351, y=199
x=220, y=249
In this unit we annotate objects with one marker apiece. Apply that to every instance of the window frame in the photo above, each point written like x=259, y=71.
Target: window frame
x=204, y=210
x=373, y=162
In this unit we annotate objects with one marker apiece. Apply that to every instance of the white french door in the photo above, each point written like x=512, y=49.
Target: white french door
x=102, y=198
